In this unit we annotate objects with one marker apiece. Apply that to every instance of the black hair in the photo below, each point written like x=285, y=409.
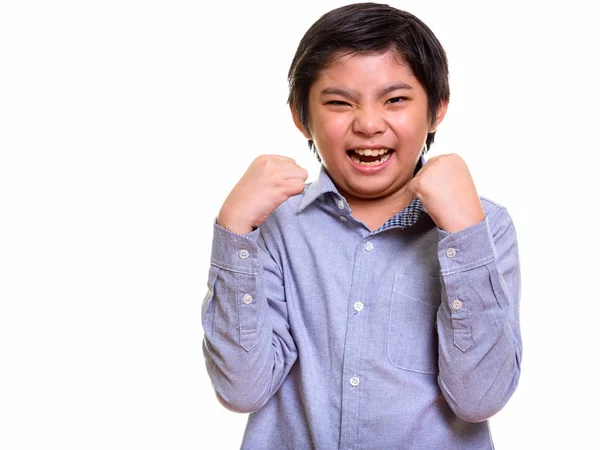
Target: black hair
x=365, y=28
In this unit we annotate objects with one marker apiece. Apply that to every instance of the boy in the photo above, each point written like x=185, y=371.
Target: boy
x=377, y=307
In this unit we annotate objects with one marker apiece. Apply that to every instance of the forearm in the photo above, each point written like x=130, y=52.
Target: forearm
x=247, y=345
x=478, y=329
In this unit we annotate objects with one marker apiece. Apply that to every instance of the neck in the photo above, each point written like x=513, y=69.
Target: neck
x=374, y=212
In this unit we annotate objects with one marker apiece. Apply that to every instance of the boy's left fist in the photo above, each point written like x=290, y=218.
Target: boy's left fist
x=446, y=189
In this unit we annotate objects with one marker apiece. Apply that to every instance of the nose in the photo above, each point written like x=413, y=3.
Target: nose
x=369, y=122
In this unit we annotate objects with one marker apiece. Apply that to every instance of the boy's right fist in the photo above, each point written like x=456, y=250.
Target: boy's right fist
x=269, y=181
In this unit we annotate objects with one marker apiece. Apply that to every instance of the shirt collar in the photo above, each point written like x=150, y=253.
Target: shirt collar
x=320, y=186
x=323, y=185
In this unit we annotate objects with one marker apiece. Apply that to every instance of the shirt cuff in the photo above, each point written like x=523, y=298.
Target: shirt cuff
x=466, y=249
x=235, y=252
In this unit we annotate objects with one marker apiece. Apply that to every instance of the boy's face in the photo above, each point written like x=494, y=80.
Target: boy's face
x=369, y=102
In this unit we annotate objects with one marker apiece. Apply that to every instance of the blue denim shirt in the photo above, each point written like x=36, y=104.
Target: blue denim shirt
x=334, y=336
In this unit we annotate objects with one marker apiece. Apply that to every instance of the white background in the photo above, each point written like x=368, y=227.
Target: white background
x=123, y=126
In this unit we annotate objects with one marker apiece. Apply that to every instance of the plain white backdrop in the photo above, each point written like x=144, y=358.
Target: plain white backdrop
x=123, y=126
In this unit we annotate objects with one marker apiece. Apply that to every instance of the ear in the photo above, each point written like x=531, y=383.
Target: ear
x=298, y=123
x=439, y=116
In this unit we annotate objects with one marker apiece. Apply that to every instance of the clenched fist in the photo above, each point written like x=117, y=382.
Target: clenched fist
x=269, y=181
x=446, y=189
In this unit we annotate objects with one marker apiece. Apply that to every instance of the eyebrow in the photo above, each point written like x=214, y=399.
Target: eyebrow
x=394, y=87
x=353, y=95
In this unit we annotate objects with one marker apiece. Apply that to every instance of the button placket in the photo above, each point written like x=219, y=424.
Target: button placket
x=356, y=345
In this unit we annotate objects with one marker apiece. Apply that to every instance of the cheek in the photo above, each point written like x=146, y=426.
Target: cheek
x=411, y=127
x=331, y=131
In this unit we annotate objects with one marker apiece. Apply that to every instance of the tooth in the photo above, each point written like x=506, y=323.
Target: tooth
x=368, y=152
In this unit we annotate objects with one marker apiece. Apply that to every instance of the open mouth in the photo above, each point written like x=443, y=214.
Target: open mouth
x=370, y=157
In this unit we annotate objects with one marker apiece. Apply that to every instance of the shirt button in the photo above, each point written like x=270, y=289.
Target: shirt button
x=354, y=381
x=456, y=304
x=340, y=204
x=450, y=253
x=244, y=253
x=343, y=218
x=368, y=246
x=358, y=306
x=247, y=299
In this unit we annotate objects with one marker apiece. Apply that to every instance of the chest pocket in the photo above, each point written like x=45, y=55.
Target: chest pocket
x=412, y=342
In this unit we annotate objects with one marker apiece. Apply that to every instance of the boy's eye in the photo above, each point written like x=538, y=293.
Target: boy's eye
x=337, y=103
x=396, y=99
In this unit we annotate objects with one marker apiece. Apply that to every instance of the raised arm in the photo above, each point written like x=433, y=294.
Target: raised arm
x=247, y=346
x=478, y=320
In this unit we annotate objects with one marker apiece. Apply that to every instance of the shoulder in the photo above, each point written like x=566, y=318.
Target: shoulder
x=285, y=213
x=282, y=228
x=289, y=208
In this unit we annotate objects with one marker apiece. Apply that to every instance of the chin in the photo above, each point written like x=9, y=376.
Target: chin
x=371, y=193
